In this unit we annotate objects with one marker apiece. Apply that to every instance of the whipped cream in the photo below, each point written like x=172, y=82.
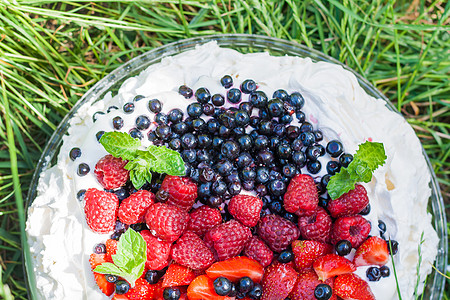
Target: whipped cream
x=61, y=241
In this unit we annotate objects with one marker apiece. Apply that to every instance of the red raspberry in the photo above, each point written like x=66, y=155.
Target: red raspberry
x=203, y=219
x=245, y=209
x=301, y=195
x=166, y=221
x=110, y=172
x=354, y=229
x=182, y=191
x=132, y=209
x=350, y=203
x=158, y=252
x=277, y=232
x=191, y=251
x=259, y=251
x=227, y=239
x=101, y=210
x=316, y=227
x=306, y=284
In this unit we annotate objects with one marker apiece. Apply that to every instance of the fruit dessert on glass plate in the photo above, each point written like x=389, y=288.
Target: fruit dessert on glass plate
x=220, y=175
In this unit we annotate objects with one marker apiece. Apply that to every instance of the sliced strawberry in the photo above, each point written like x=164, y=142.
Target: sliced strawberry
x=351, y=286
x=236, y=268
x=202, y=288
x=111, y=248
x=142, y=290
x=177, y=275
x=278, y=281
x=106, y=287
x=306, y=284
x=306, y=252
x=374, y=251
x=97, y=259
x=158, y=293
x=331, y=265
x=119, y=297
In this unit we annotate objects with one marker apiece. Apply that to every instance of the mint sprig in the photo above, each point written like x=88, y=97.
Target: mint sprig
x=368, y=158
x=141, y=163
x=129, y=260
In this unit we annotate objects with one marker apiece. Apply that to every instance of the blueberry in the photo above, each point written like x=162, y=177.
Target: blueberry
x=266, y=127
x=188, y=141
x=80, y=194
x=300, y=116
x=226, y=81
x=281, y=94
x=318, y=135
x=289, y=170
x=245, y=285
x=373, y=274
x=297, y=100
x=297, y=144
x=230, y=149
x=212, y=126
x=289, y=216
x=324, y=181
x=263, y=114
x=204, y=190
x=307, y=138
x=313, y=166
x=323, y=202
x=154, y=106
x=122, y=287
x=218, y=187
x=214, y=201
x=136, y=133
x=153, y=276
x=323, y=291
x=333, y=167
x=248, y=185
x=262, y=175
x=224, y=167
x=175, y=144
x=100, y=248
x=83, y=169
x=334, y=148
x=117, y=122
x=313, y=152
x=248, y=86
x=279, y=130
x=189, y=156
x=99, y=135
x=180, y=128
x=175, y=115
x=199, y=125
x=224, y=131
x=222, y=286
x=243, y=160
x=202, y=95
x=285, y=256
x=394, y=246
x=276, y=207
x=218, y=100
x=306, y=127
x=185, y=91
x=365, y=211
x=385, y=272
x=381, y=226
x=235, y=188
x=254, y=121
x=245, y=142
x=292, y=132
x=195, y=110
x=151, y=135
x=242, y=118
x=128, y=107
x=247, y=107
x=234, y=95
x=121, y=193
x=248, y=173
x=203, y=156
x=261, y=190
x=138, y=98
x=111, y=278
x=258, y=99
x=171, y=293
x=74, y=153
x=261, y=142
x=208, y=109
x=256, y=292
x=284, y=151
x=277, y=187
x=286, y=119
x=207, y=175
x=345, y=160
x=161, y=118
x=343, y=247
x=228, y=119
x=163, y=132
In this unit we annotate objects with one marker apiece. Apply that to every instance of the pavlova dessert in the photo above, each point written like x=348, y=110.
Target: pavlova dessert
x=220, y=175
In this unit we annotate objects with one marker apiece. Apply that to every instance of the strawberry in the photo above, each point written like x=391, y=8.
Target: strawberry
x=100, y=210
x=110, y=172
x=259, y=251
x=306, y=252
x=316, y=227
x=142, y=290
x=158, y=290
x=132, y=209
x=202, y=288
x=306, y=284
x=330, y=265
x=158, y=252
x=374, y=251
x=111, y=248
x=181, y=191
x=119, y=297
x=301, y=195
x=192, y=252
x=354, y=229
x=278, y=281
x=227, y=239
x=245, y=209
x=95, y=260
x=277, y=232
x=203, y=219
x=352, y=287
x=177, y=275
x=235, y=268
x=350, y=203
x=166, y=221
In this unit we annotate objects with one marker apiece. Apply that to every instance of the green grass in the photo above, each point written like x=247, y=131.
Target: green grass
x=51, y=52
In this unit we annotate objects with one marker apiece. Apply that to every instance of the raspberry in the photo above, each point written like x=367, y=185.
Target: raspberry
x=132, y=209
x=354, y=229
x=316, y=227
x=101, y=210
x=259, y=251
x=245, y=209
x=203, y=219
x=350, y=203
x=182, y=191
x=166, y=221
x=227, y=239
x=110, y=172
x=277, y=232
x=301, y=195
x=158, y=252
x=190, y=251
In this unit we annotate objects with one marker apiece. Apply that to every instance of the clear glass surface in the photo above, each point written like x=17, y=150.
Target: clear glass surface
x=245, y=44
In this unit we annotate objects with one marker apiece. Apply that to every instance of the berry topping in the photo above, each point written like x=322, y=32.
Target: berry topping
x=158, y=252
x=110, y=172
x=236, y=268
x=277, y=232
x=101, y=210
x=301, y=195
x=203, y=219
x=331, y=265
x=354, y=229
x=278, y=281
x=374, y=251
x=177, y=275
x=350, y=203
x=192, y=252
x=351, y=286
x=222, y=286
x=307, y=285
x=316, y=227
x=245, y=209
x=166, y=221
x=133, y=209
x=259, y=251
x=306, y=252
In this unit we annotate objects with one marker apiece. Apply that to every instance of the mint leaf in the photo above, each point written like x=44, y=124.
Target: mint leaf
x=120, y=144
x=129, y=260
x=367, y=159
x=166, y=161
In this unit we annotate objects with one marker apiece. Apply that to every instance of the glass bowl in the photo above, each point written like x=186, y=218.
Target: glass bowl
x=245, y=44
